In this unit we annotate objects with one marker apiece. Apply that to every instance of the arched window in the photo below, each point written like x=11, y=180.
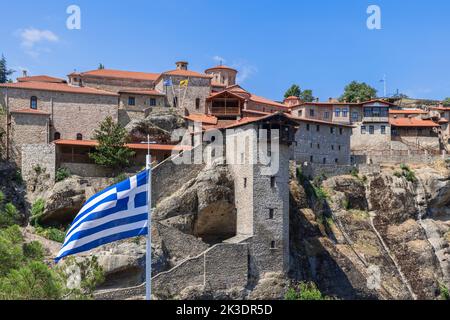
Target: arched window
x=33, y=102
x=79, y=136
x=57, y=136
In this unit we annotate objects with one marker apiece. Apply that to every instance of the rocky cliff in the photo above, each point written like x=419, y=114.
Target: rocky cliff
x=382, y=236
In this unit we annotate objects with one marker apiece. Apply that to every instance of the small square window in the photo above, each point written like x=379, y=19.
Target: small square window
x=272, y=182
x=271, y=213
x=318, y=128
x=307, y=127
x=341, y=131
x=272, y=245
x=152, y=102
x=131, y=101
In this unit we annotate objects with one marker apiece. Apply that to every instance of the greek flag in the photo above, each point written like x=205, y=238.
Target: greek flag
x=168, y=82
x=116, y=213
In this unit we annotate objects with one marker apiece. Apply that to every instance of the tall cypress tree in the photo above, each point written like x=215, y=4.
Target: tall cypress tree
x=4, y=71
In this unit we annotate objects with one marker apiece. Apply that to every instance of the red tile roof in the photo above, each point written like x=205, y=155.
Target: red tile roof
x=143, y=92
x=42, y=78
x=263, y=100
x=443, y=120
x=203, y=118
x=31, y=111
x=119, y=74
x=186, y=73
x=134, y=146
x=412, y=122
x=217, y=84
x=328, y=103
x=57, y=87
x=404, y=111
x=219, y=68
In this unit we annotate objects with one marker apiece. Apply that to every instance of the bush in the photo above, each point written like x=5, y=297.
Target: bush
x=33, y=250
x=444, y=292
x=406, y=173
x=62, y=174
x=9, y=215
x=305, y=291
x=37, y=210
x=52, y=234
x=355, y=172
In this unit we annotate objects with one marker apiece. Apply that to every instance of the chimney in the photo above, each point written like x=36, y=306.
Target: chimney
x=24, y=73
x=330, y=99
x=182, y=65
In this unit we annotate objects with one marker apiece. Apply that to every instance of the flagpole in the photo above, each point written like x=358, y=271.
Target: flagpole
x=148, y=257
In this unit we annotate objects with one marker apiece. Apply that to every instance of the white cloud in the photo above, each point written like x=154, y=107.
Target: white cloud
x=245, y=72
x=33, y=40
x=219, y=59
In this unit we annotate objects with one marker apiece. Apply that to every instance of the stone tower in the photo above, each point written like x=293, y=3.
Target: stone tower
x=262, y=199
x=223, y=75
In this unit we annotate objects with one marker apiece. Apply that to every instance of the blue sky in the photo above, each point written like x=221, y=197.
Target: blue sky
x=319, y=44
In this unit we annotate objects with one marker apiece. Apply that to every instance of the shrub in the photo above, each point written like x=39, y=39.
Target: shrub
x=406, y=173
x=355, y=172
x=33, y=250
x=346, y=204
x=119, y=178
x=398, y=174
x=52, y=234
x=305, y=291
x=62, y=174
x=37, y=210
x=9, y=215
x=320, y=193
x=444, y=292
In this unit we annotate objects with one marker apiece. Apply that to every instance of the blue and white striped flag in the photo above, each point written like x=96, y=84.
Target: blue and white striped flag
x=116, y=213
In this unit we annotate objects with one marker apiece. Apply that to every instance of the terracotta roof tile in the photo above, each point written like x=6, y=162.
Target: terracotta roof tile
x=263, y=100
x=219, y=68
x=42, y=78
x=203, y=118
x=187, y=73
x=412, y=122
x=143, y=92
x=119, y=74
x=31, y=111
x=404, y=111
x=57, y=87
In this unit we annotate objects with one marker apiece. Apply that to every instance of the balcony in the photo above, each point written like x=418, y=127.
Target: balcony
x=384, y=119
x=225, y=111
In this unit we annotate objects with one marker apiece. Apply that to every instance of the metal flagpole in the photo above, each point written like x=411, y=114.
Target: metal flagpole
x=148, y=257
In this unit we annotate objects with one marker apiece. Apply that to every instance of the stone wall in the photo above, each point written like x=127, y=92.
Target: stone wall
x=116, y=85
x=313, y=170
x=26, y=129
x=86, y=170
x=142, y=102
x=367, y=141
x=324, y=145
x=397, y=157
x=222, y=267
x=38, y=157
x=70, y=113
x=199, y=88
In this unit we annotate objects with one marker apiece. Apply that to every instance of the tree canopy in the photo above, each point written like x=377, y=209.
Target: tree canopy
x=111, y=151
x=304, y=95
x=4, y=71
x=358, y=91
x=446, y=101
x=101, y=66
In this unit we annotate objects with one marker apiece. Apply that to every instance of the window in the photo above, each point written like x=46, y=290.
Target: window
x=339, y=148
x=324, y=161
x=131, y=101
x=311, y=159
x=311, y=112
x=355, y=116
x=363, y=130
x=272, y=182
x=33, y=103
x=245, y=182
x=326, y=115
x=336, y=161
x=311, y=145
x=385, y=112
x=197, y=103
x=371, y=130
x=152, y=102
x=57, y=136
x=79, y=136
x=175, y=102
x=341, y=131
x=332, y=130
x=271, y=213
x=272, y=245
x=383, y=129
x=300, y=113
x=332, y=147
x=337, y=112
x=367, y=112
x=318, y=128
x=307, y=127
x=318, y=146
x=345, y=113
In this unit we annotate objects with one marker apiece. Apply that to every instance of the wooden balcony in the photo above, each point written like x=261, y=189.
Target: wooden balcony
x=225, y=111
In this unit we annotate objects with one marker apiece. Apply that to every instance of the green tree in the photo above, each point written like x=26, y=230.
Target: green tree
x=101, y=66
x=307, y=96
x=293, y=91
x=111, y=151
x=446, y=102
x=305, y=291
x=4, y=71
x=356, y=91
